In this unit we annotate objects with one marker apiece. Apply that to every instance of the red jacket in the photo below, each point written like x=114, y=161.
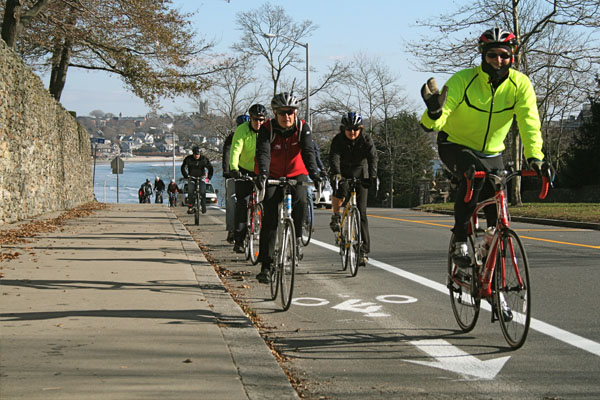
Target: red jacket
x=286, y=153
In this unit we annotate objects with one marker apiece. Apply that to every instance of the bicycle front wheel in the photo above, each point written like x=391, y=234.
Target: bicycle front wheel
x=197, y=213
x=462, y=284
x=354, y=242
x=513, y=291
x=307, y=225
x=287, y=267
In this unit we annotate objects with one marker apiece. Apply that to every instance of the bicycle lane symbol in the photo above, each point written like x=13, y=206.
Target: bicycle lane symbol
x=367, y=308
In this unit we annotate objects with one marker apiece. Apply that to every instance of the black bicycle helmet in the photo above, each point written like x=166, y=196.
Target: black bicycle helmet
x=284, y=100
x=196, y=150
x=351, y=119
x=241, y=119
x=497, y=37
x=258, y=110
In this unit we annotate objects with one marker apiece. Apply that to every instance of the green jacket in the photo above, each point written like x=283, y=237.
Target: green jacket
x=243, y=148
x=479, y=117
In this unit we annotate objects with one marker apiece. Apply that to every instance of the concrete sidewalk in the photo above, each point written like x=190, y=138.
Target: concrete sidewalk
x=122, y=304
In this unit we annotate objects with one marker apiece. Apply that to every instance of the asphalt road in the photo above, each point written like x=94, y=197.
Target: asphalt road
x=390, y=331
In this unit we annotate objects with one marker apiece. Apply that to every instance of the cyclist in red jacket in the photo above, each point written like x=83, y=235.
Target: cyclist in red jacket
x=284, y=148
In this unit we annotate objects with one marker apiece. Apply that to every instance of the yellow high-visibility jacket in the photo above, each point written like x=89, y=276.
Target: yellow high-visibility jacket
x=479, y=117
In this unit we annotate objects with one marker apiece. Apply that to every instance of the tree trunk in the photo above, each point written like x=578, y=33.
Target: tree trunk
x=58, y=76
x=516, y=139
x=11, y=22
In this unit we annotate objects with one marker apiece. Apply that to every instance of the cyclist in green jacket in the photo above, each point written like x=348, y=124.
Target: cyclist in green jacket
x=473, y=114
x=241, y=162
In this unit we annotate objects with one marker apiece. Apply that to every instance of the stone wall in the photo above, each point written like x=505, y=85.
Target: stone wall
x=44, y=153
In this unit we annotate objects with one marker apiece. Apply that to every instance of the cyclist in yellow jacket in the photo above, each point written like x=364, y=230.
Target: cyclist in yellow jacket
x=473, y=114
x=241, y=162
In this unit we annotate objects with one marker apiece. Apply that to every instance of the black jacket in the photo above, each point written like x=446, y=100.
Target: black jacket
x=227, y=154
x=196, y=168
x=353, y=158
x=159, y=186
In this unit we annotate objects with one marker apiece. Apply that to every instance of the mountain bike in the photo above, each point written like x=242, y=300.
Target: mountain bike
x=283, y=267
x=348, y=238
x=499, y=270
x=253, y=224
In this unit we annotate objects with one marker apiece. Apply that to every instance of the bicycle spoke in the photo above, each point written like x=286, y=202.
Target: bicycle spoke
x=513, y=295
x=463, y=291
x=288, y=264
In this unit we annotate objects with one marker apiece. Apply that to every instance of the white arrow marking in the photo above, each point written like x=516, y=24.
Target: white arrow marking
x=367, y=308
x=453, y=359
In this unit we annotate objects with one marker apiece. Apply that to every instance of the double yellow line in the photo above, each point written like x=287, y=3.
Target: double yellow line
x=523, y=237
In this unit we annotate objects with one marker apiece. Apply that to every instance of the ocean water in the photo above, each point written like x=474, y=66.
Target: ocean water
x=135, y=174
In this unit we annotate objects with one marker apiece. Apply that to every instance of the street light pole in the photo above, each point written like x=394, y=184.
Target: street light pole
x=305, y=45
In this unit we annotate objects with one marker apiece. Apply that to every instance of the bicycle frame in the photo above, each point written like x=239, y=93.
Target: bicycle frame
x=485, y=271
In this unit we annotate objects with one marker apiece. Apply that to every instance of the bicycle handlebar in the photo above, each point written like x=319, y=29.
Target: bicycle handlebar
x=290, y=182
x=471, y=174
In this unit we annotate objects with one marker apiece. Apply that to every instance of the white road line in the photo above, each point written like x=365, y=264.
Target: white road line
x=540, y=326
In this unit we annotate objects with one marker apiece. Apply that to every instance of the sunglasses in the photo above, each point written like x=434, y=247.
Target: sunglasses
x=353, y=128
x=261, y=120
x=504, y=56
x=286, y=112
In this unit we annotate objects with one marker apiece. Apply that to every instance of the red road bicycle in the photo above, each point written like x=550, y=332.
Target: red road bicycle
x=499, y=270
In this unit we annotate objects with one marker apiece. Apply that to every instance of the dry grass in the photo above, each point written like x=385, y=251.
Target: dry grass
x=585, y=212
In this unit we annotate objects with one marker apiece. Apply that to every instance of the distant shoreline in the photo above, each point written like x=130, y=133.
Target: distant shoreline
x=141, y=159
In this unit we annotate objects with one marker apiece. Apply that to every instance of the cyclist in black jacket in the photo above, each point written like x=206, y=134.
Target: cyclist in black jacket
x=353, y=154
x=198, y=166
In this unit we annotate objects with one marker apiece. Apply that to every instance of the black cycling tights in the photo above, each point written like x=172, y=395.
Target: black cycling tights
x=458, y=159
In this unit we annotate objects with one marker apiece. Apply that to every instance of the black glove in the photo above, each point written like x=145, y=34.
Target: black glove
x=236, y=174
x=323, y=174
x=316, y=179
x=261, y=181
x=185, y=176
x=374, y=183
x=365, y=182
x=542, y=168
x=226, y=175
x=433, y=98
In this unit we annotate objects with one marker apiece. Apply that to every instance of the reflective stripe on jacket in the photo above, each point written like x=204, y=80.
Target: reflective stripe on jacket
x=479, y=117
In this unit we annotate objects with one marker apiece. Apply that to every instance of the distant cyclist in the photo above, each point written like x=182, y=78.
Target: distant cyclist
x=173, y=189
x=146, y=191
x=243, y=149
x=353, y=155
x=159, y=187
x=473, y=115
x=284, y=148
x=198, y=166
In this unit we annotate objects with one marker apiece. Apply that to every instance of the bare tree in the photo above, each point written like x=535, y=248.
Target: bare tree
x=281, y=50
x=232, y=95
x=558, y=49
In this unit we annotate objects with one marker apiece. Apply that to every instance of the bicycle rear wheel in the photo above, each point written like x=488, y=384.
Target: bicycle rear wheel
x=513, y=293
x=288, y=263
x=254, y=233
x=463, y=287
x=354, y=241
x=197, y=213
x=307, y=224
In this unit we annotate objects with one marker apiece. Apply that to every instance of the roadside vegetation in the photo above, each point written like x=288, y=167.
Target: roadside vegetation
x=583, y=212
